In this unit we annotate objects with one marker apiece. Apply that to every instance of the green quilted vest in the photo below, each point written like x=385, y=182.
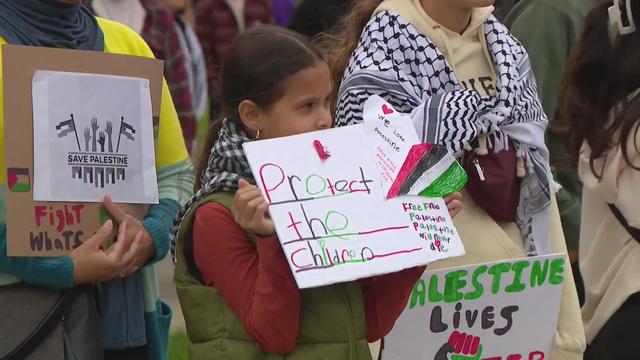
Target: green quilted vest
x=332, y=323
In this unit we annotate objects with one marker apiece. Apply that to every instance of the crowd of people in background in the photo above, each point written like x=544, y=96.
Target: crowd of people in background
x=566, y=71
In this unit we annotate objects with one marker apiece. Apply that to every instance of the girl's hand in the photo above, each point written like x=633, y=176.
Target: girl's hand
x=91, y=264
x=250, y=210
x=454, y=203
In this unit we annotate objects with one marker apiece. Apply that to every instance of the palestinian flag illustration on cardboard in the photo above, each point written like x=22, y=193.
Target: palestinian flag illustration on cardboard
x=430, y=171
x=18, y=180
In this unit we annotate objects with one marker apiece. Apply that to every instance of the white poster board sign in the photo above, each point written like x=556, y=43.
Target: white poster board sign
x=392, y=134
x=93, y=136
x=504, y=310
x=331, y=215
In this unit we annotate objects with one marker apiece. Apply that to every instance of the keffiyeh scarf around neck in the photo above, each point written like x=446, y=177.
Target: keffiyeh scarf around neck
x=226, y=165
x=395, y=61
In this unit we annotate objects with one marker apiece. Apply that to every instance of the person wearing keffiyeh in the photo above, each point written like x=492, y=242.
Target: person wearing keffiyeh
x=461, y=76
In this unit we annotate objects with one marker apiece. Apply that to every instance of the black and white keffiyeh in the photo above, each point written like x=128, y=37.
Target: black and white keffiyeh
x=226, y=165
x=395, y=61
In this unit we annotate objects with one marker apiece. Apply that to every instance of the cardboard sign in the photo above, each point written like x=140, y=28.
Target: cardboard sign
x=504, y=310
x=93, y=136
x=330, y=213
x=54, y=228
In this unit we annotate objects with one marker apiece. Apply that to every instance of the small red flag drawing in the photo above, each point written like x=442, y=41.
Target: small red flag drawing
x=18, y=180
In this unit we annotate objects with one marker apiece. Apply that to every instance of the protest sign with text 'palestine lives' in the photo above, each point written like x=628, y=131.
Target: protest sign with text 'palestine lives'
x=504, y=310
x=330, y=213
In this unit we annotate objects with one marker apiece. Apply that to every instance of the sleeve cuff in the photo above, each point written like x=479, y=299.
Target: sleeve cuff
x=54, y=273
x=59, y=274
x=158, y=224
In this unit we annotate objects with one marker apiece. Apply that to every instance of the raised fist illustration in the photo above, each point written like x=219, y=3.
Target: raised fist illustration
x=461, y=346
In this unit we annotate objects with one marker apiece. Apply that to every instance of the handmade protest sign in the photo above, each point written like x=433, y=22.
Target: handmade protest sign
x=506, y=310
x=38, y=228
x=93, y=136
x=408, y=167
x=392, y=135
x=331, y=215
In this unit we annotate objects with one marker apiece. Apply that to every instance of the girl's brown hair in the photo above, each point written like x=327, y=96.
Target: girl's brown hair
x=255, y=68
x=601, y=73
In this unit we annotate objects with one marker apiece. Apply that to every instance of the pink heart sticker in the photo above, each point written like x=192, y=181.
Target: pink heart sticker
x=387, y=110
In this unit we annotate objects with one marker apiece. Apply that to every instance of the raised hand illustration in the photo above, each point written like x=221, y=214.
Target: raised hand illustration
x=94, y=129
x=461, y=346
x=109, y=131
x=101, y=140
x=87, y=137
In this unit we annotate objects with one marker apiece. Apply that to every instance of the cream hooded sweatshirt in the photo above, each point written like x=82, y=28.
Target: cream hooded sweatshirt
x=609, y=256
x=484, y=239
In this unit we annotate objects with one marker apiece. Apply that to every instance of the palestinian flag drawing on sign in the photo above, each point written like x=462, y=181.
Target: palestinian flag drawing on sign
x=127, y=130
x=430, y=171
x=18, y=180
x=65, y=127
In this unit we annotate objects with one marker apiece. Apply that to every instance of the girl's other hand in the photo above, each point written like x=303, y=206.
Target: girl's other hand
x=454, y=203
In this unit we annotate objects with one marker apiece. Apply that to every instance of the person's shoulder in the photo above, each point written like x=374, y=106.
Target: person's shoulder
x=222, y=199
x=120, y=39
x=215, y=210
x=114, y=28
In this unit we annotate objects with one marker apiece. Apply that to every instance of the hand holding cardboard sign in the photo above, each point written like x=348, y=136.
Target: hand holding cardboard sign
x=454, y=203
x=134, y=226
x=91, y=264
x=250, y=210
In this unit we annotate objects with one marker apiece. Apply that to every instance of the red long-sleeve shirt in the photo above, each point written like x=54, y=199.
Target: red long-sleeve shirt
x=258, y=285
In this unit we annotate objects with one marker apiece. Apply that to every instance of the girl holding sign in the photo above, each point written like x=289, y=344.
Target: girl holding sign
x=601, y=100
x=237, y=292
x=468, y=85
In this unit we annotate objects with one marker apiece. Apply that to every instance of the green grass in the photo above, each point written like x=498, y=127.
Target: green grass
x=178, y=346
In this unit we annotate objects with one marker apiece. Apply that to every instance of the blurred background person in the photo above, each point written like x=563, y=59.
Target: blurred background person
x=156, y=25
x=600, y=99
x=218, y=23
x=194, y=57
